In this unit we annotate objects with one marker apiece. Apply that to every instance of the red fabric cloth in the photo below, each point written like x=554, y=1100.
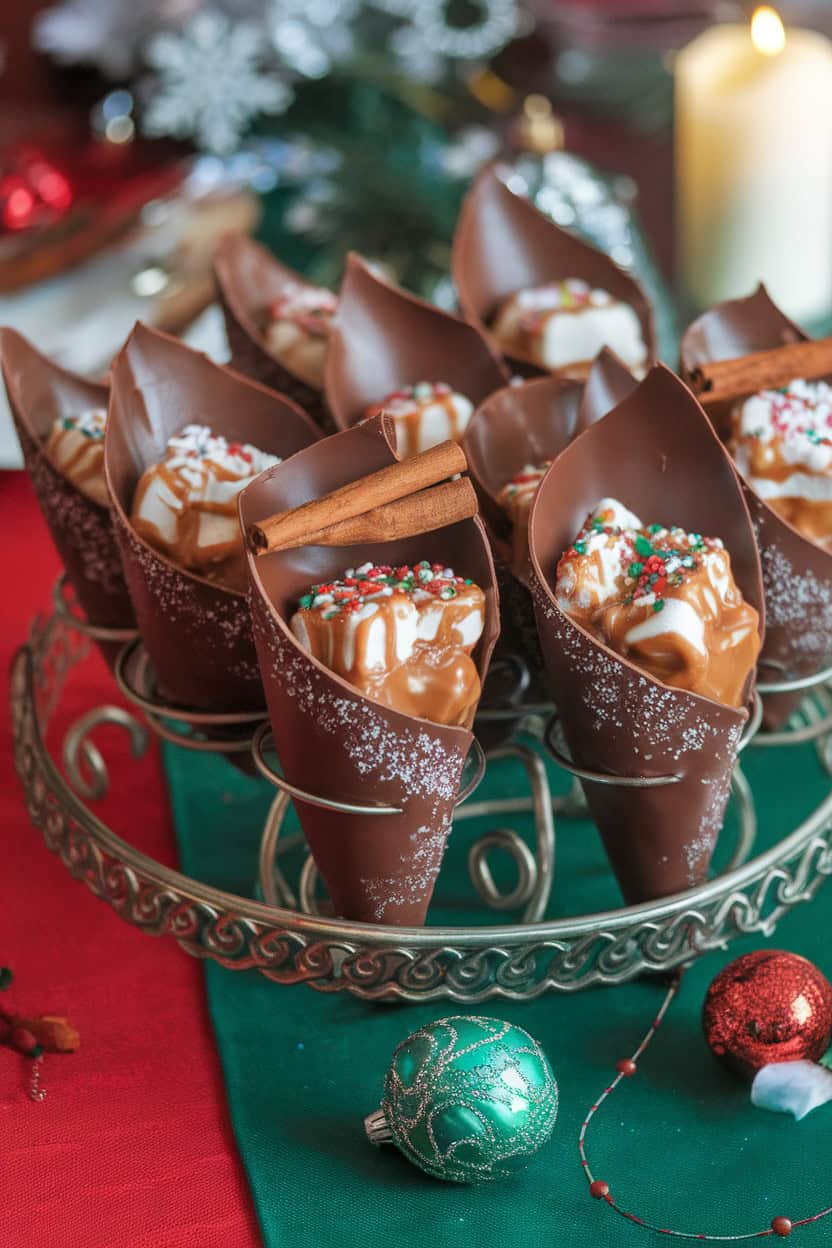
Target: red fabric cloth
x=132, y=1147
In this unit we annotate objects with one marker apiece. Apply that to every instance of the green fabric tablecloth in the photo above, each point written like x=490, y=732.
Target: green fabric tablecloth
x=679, y=1144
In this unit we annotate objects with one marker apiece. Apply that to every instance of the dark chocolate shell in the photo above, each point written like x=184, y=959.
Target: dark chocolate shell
x=658, y=454
x=503, y=244
x=82, y=530
x=333, y=741
x=386, y=338
x=518, y=425
x=608, y=383
x=249, y=279
x=197, y=634
x=797, y=574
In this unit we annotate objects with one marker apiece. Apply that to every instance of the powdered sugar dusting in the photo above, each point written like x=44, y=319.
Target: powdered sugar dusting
x=420, y=863
x=665, y=721
x=76, y=522
x=220, y=618
x=651, y=729
x=406, y=765
x=698, y=849
x=414, y=757
x=800, y=603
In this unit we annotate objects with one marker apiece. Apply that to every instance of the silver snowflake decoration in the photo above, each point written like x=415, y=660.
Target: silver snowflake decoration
x=209, y=83
x=310, y=36
x=428, y=39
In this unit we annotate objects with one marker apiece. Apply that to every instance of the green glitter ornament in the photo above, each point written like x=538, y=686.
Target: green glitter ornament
x=467, y=1099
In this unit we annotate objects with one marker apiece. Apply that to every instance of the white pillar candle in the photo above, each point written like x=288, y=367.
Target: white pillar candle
x=754, y=165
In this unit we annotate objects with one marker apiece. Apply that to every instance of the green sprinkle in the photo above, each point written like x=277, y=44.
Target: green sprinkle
x=580, y=547
x=643, y=547
x=330, y=615
x=658, y=605
x=468, y=582
x=306, y=601
x=654, y=528
x=635, y=570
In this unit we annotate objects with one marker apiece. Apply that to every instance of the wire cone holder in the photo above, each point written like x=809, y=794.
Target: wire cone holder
x=286, y=936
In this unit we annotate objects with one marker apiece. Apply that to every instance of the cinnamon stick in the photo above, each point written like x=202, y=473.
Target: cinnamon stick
x=293, y=528
x=726, y=380
x=422, y=512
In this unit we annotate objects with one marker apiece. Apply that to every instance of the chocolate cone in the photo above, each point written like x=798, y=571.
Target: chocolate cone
x=197, y=634
x=82, y=530
x=385, y=338
x=249, y=279
x=503, y=244
x=519, y=425
x=657, y=453
x=797, y=574
x=333, y=741
x=608, y=383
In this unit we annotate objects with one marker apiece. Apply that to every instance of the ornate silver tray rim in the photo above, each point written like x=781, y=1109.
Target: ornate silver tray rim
x=416, y=963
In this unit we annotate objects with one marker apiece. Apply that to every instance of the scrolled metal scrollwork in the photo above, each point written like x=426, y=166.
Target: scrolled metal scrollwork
x=80, y=753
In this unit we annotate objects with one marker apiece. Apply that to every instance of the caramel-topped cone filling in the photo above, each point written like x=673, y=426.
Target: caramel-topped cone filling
x=196, y=632
x=656, y=454
x=277, y=322
x=503, y=247
x=797, y=572
x=432, y=368
x=402, y=636
x=49, y=406
x=664, y=598
x=331, y=738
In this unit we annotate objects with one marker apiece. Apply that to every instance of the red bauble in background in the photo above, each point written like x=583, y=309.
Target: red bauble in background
x=33, y=191
x=768, y=1006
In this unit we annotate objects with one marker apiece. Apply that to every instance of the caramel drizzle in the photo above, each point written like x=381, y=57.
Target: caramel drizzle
x=438, y=680
x=85, y=465
x=187, y=520
x=412, y=422
x=730, y=640
x=93, y=454
x=812, y=517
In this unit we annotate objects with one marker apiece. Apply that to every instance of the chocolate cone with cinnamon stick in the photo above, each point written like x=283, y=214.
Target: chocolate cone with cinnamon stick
x=657, y=456
x=332, y=739
x=197, y=631
x=253, y=286
x=505, y=250
x=427, y=369
x=44, y=398
x=797, y=572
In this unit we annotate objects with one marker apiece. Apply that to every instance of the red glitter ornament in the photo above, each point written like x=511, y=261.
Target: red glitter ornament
x=768, y=1006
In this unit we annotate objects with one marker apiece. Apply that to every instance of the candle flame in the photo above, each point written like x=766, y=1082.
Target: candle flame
x=767, y=31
